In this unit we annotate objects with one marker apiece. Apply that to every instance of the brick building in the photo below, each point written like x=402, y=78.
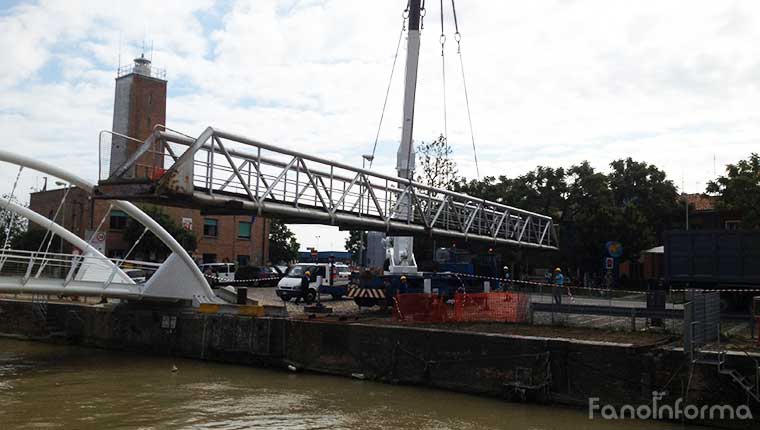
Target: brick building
x=139, y=106
x=705, y=215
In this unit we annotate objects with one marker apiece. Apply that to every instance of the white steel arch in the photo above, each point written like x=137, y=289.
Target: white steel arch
x=164, y=282
x=95, y=267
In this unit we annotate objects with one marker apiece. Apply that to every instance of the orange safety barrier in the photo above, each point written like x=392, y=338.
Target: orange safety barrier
x=497, y=306
x=422, y=308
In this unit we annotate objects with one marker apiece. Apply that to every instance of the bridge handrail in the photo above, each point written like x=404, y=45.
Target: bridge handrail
x=176, y=138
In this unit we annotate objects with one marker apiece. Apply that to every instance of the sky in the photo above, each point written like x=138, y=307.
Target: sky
x=550, y=82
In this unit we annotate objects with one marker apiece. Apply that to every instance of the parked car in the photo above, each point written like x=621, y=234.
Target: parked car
x=335, y=285
x=259, y=276
x=219, y=273
x=137, y=275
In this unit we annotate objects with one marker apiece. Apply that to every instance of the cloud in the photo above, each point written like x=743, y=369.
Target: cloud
x=550, y=82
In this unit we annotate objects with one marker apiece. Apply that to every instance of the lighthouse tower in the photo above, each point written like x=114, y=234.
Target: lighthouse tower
x=139, y=105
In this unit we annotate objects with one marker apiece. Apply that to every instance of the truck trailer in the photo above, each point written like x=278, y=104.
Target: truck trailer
x=715, y=260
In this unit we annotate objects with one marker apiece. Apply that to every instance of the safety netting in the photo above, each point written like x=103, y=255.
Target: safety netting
x=496, y=306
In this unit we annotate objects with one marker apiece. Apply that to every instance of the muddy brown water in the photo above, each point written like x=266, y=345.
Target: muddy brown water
x=62, y=387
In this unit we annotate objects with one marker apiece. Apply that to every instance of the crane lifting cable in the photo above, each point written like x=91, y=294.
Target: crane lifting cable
x=390, y=81
x=443, y=77
x=442, y=41
x=458, y=38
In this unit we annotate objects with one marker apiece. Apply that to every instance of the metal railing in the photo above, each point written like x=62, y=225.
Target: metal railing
x=152, y=72
x=31, y=271
x=219, y=167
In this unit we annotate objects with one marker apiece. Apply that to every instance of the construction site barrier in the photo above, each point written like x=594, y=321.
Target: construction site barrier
x=496, y=306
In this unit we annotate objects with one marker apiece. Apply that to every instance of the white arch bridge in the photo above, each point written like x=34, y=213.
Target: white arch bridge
x=90, y=273
x=224, y=173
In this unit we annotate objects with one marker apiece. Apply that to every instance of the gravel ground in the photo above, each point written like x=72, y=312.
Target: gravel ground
x=344, y=306
x=575, y=326
x=558, y=325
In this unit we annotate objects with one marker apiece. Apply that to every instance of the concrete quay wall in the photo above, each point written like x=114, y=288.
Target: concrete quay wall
x=560, y=371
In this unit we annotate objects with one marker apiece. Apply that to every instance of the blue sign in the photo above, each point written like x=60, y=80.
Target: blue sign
x=614, y=249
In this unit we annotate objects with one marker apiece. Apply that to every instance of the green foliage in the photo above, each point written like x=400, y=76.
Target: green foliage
x=633, y=204
x=11, y=224
x=353, y=243
x=150, y=244
x=283, y=246
x=739, y=190
x=31, y=239
x=436, y=168
x=541, y=190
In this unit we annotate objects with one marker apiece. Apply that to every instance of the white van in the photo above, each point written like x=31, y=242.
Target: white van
x=219, y=273
x=290, y=285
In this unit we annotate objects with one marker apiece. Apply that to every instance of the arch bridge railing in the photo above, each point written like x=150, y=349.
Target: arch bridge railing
x=227, y=170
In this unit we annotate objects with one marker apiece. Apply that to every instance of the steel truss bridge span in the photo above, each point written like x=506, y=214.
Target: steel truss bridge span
x=226, y=173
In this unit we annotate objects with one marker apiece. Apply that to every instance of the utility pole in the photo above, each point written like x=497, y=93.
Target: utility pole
x=402, y=258
x=686, y=200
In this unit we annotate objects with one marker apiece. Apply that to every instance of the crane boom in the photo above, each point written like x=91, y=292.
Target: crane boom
x=400, y=249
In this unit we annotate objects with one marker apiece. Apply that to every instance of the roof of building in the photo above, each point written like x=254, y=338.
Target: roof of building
x=656, y=250
x=701, y=202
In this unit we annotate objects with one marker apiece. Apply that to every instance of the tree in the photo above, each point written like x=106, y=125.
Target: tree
x=354, y=242
x=437, y=169
x=31, y=239
x=283, y=246
x=588, y=217
x=150, y=245
x=739, y=190
x=11, y=224
x=647, y=204
x=633, y=204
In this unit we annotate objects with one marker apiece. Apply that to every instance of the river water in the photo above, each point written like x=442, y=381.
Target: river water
x=50, y=387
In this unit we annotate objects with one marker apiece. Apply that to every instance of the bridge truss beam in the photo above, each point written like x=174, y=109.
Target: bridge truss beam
x=226, y=172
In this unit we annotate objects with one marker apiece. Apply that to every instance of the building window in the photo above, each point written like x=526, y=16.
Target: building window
x=243, y=260
x=118, y=220
x=732, y=225
x=244, y=230
x=210, y=227
x=209, y=258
